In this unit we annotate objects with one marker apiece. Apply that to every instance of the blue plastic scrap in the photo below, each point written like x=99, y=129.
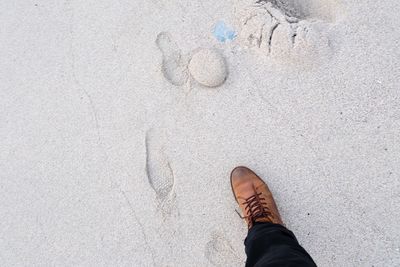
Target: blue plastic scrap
x=223, y=32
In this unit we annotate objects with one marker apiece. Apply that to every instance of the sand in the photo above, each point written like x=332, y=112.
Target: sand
x=112, y=155
x=208, y=67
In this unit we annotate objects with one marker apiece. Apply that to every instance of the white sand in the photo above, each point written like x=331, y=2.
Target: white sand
x=208, y=67
x=107, y=159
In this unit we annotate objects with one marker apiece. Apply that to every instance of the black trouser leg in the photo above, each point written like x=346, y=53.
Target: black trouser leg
x=269, y=244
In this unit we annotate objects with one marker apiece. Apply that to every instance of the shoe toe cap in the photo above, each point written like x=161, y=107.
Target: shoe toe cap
x=240, y=172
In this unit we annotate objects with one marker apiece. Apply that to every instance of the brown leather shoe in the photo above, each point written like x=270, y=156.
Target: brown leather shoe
x=254, y=197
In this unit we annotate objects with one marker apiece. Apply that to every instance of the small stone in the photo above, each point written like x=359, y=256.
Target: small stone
x=208, y=67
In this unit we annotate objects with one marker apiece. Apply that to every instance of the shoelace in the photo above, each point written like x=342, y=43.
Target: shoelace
x=256, y=207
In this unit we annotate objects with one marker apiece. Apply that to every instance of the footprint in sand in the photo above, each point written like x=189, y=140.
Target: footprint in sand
x=208, y=67
x=159, y=171
x=288, y=30
x=174, y=63
x=205, y=66
x=220, y=252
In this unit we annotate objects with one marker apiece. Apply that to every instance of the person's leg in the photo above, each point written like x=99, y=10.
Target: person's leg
x=269, y=244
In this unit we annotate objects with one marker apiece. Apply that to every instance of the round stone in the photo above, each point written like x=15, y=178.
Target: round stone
x=208, y=67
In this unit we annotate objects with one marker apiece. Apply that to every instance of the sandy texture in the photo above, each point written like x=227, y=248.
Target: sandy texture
x=110, y=154
x=208, y=67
